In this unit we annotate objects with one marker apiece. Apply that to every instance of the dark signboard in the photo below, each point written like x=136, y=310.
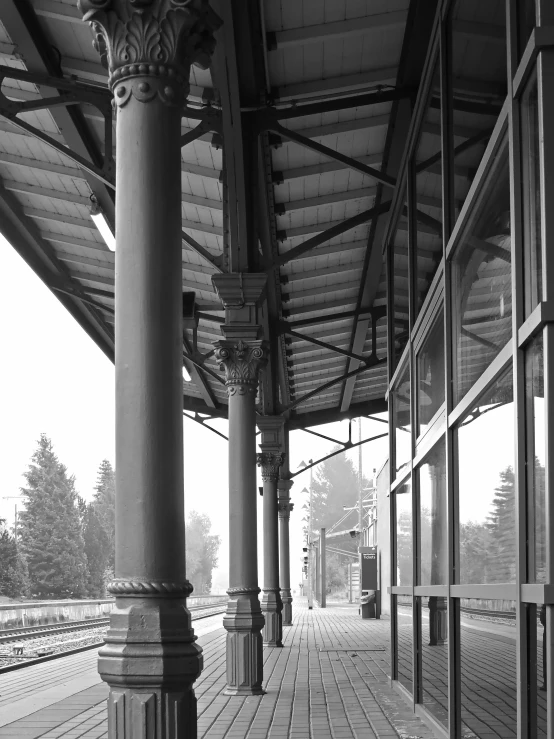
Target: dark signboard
x=368, y=568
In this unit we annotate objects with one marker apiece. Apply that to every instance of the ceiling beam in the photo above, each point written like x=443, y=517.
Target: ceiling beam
x=21, y=23
x=421, y=17
x=317, y=169
x=334, y=197
x=331, y=31
x=343, y=84
x=344, y=126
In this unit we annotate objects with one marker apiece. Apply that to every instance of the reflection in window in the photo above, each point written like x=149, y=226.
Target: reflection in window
x=535, y=616
x=405, y=630
x=531, y=196
x=536, y=457
x=481, y=281
x=488, y=669
x=404, y=536
x=430, y=374
x=434, y=659
x=401, y=421
x=486, y=488
x=432, y=518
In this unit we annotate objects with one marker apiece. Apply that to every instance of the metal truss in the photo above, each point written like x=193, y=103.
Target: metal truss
x=202, y=422
x=345, y=447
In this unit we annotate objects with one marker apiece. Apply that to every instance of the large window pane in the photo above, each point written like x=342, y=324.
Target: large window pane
x=430, y=374
x=536, y=460
x=488, y=669
x=401, y=422
x=404, y=536
x=481, y=280
x=432, y=517
x=434, y=657
x=531, y=197
x=486, y=488
x=405, y=632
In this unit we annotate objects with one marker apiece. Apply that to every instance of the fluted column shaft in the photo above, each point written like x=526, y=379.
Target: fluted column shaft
x=150, y=660
x=272, y=605
x=242, y=354
x=285, y=507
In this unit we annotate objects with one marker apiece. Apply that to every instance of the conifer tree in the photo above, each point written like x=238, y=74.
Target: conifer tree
x=14, y=578
x=104, y=505
x=201, y=550
x=97, y=551
x=50, y=526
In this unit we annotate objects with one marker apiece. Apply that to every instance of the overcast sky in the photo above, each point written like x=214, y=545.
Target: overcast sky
x=54, y=379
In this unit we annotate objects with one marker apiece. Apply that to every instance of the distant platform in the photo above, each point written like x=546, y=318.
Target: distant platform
x=329, y=680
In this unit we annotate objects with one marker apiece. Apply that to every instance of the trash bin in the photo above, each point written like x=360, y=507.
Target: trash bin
x=368, y=605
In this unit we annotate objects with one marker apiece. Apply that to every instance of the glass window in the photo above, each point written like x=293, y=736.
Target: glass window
x=404, y=536
x=405, y=631
x=488, y=669
x=481, y=280
x=486, y=488
x=535, y=616
x=432, y=518
x=531, y=197
x=401, y=422
x=434, y=656
x=536, y=460
x=430, y=374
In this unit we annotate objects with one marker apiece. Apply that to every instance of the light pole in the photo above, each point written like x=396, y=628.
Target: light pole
x=310, y=564
x=13, y=497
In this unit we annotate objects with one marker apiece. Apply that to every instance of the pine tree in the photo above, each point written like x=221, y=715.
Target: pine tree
x=104, y=505
x=97, y=551
x=501, y=554
x=14, y=578
x=51, y=537
x=201, y=549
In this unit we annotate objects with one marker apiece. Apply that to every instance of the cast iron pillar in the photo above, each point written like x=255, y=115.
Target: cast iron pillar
x=241, y=355
x=150, y=659
x=285, y=507
x=270, y=461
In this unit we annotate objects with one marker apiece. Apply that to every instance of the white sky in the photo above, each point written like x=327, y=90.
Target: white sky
x=54, y=379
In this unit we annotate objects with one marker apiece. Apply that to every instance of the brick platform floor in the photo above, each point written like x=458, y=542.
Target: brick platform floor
x=330, y=680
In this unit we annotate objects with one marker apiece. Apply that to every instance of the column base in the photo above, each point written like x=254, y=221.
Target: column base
x=438, y=621
x=244, y=622
x=287, y=606
x=150, y=662
x=272, y=608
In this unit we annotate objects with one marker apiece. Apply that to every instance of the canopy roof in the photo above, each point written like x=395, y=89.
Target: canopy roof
x=328, y=89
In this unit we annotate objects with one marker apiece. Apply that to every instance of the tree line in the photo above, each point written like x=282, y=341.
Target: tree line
x=64, y=547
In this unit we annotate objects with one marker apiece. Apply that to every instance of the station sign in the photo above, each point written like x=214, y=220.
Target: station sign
x=368, y=568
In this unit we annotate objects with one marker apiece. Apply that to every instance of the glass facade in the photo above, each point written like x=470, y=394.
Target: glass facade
x=433, y=553
x=488, y=669
x=472, y=591
x=405, y=631
x=532, y=240
x=482, y=281
x=430, y=374
x=402, y=421
x=486, y=488
x=536, y=455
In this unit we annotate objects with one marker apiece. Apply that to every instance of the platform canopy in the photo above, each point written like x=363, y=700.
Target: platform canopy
x=297, y=129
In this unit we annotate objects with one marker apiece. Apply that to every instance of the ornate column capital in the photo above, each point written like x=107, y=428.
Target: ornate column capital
x=284, y=486
x=285, y=507
x=270, y=463
x=158, y=39
x=241, y=363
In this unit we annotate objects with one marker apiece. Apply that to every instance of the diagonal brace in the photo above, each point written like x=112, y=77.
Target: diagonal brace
x=298, y=138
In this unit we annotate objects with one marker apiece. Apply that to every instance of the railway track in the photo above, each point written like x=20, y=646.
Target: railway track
x=34, y=632
x=18, y=637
